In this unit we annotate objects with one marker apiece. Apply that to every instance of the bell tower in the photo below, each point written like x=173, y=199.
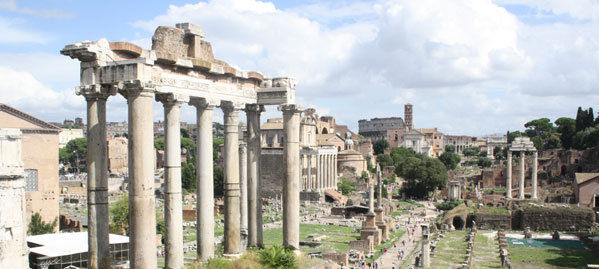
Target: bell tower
x=408, y=116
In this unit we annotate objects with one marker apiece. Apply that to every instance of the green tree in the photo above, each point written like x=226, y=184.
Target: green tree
x=498, y=153
x=380, y=146
x=450, y=159
x=119, y=216
x=38, y=226
x=424, y=176
x=566, y=127
x=484, y=162
x=540, y=126
x=471, y=151
x=449, y=148
x=346, y=187
x=184, y=133
x=159, y=144
x=189, y=147
x=219, y=181
x=384, y=160
x=188, y=176
x=511, y=136
x=74, y=154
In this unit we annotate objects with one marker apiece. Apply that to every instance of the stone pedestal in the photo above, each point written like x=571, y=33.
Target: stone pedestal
x=13, y=246
x=426, y=249
x=291, y=183
x=381, y=223
x=369, y=228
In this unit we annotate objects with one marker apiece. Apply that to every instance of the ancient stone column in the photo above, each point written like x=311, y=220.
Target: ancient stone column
x=173, y=209
x=335, y=171
x=310, y=183
x=535, y=164
x=318, y=172
x=508, y=183
x=370, y=198
x=426, y=249
x=291, y=197
x=97, y=176
x=231, y=188
x=243, y=193
x=254, y=194
x=379, y=203
x=205, y=178
x=13, y=246
x=142, y=216
x=522, y=167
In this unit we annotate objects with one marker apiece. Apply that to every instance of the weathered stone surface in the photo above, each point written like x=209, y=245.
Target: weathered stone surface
x=126, y=47
x=169, y=40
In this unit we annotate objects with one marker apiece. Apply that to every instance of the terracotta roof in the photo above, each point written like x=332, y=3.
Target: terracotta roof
x=22, y=115
x=584, y=177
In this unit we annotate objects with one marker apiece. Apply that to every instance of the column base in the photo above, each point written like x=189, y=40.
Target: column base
x=232, y=257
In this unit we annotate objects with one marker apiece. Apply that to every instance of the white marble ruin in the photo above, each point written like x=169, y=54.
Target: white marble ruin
x=13, y=247
x=454, y=190
x=180, y=68
x=522, y=145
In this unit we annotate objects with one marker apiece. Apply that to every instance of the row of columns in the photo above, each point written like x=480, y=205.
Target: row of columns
x=326, y=171
x=142, y=252
x=522, y=161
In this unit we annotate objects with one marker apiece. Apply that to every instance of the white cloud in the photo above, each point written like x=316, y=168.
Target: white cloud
x=468, y=66
x=13, y=33
x=11, y=5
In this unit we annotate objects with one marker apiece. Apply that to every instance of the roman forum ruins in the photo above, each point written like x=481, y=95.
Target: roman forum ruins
x=180, y=68
x=522, y=145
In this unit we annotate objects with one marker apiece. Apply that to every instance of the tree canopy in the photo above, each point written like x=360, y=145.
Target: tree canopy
x=380, y=146
x=74, y=154
x=450, y=159
x=38, y=226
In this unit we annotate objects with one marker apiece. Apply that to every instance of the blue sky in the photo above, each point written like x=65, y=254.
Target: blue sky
x=471, y=67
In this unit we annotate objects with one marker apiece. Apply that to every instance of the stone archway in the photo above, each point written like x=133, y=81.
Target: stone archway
x=325, y=131
x=458, y=223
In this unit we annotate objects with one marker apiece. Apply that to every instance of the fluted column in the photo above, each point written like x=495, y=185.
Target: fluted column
x=254, y=194
x=291, y=197
x=535, y=163
x=232, y=214
x=204, y=178
x=243, y=194
x=522, y=167
x=173, y=210
x=508, y=183
x=97, y=176
x=142, y=208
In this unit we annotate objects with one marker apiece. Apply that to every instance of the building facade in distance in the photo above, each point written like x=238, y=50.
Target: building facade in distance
x=40, y=159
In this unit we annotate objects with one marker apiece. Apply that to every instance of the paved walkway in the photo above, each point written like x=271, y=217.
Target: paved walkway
x=388, y=259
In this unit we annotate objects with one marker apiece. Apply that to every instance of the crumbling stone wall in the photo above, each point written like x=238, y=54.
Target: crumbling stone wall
x=493, y=221
x=271, y=172
x=555, y=218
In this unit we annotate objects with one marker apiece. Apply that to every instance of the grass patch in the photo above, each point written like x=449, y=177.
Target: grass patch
x=338, y=237
x=558, y=257
x=493, y=210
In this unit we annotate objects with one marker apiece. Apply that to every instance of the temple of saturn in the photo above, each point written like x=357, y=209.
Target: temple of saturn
x=180, y=68
x=522, y=145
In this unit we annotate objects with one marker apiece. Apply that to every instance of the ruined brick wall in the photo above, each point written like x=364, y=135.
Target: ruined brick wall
x=271, y=172
x=493, y=221
x=554, y=218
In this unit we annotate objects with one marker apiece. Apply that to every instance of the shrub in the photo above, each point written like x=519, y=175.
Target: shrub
x=449, y=205
x=278, y=257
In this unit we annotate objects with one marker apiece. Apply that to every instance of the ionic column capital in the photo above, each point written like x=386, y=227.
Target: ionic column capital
x=290, y=108
x=203, y=103
x=254, y=108
x=96, y=91
x=171, y=99
x=136, y=87
x=231, y=107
